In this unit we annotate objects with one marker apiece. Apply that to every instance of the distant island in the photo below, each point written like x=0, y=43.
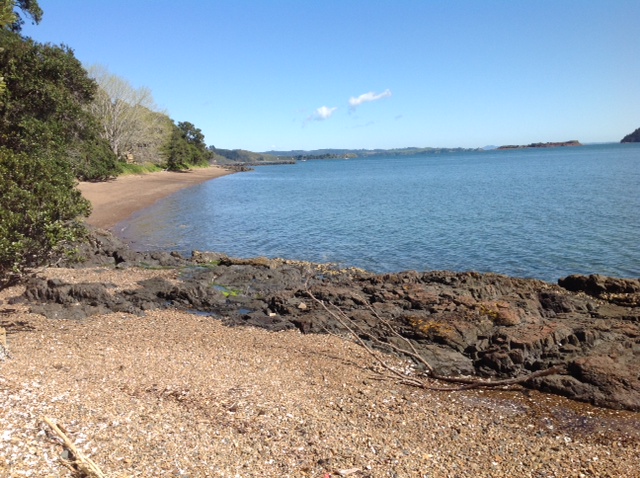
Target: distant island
x=632, y=137
x=542, y=145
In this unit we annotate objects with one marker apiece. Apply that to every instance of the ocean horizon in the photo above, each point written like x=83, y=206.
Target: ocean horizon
x=542, y=213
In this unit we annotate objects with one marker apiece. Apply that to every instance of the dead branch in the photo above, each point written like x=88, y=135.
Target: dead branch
x=80, y=463
x=464, y=383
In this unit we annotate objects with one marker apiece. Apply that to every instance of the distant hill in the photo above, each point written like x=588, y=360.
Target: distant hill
x=360, y=153
x=632, y=137
x=241, y=157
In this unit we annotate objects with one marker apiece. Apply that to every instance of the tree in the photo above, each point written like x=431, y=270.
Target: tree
x=186, y=147
x=192, y=134
x=177, y=151
x=129, y=118
x=14, y=21
x=46, y=137
x=7, y=17
x=46, y=90
x=39, y=207
x=199, y=154
x=43, y=108
x=158, y=128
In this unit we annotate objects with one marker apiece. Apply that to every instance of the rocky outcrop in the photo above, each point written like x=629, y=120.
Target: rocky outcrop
x=463, y=323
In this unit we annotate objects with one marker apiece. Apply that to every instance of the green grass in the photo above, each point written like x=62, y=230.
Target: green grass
x=125, y=169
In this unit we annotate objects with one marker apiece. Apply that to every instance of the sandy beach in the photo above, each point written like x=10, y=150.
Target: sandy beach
x=114, y=201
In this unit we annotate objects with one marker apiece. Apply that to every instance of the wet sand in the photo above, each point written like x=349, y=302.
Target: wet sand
x=114, y=201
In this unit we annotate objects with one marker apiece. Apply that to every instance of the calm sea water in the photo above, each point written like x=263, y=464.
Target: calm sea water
x=543, y=213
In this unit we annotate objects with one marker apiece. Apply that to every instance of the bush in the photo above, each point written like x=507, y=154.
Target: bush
x=93, y=160
x=39, y=207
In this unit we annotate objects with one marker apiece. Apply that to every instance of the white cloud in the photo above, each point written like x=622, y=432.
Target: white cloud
x=321, y=114
x=324, y=112
x=365, y=98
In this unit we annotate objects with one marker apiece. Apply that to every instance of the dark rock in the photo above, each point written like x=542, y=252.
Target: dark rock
x=607, y=381
x=623, y=291
x=555, y=302
x=461, y=323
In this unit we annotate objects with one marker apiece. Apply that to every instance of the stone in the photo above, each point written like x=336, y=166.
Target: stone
x=487, y=325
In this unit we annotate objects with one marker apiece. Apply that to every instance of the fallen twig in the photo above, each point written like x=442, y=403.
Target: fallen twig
x=80, y=463
x=464, y=383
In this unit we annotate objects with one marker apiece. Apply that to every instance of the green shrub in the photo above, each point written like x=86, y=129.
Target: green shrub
x=93, y=160
x=39, y=207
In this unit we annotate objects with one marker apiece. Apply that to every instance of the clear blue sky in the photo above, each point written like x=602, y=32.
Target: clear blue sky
x=273, y=74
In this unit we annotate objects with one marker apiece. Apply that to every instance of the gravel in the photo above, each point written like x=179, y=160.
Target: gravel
x=174, y=394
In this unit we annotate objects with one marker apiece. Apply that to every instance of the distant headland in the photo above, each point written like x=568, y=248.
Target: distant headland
x=632, y=137
x=542, y=145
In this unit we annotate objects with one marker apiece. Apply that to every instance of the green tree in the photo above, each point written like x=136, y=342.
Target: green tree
x=14, y=21
x=11, y=20
x=46, y=90
x=39, y=207
x=47, y=137
x=177, y=151
x=7, y=16
x=192, y=134
x=186, y=147
x=43, y=108
x=199, y=154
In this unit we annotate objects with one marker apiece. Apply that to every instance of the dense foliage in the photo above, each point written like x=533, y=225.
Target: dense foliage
x=186, y=148
x=632, y=137
x=43, y=108
x=47, y=138
x=15, y=20
x=38, y=207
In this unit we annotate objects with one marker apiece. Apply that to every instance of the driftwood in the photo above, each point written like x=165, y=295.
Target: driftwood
x=79, y=463
x=463, y=383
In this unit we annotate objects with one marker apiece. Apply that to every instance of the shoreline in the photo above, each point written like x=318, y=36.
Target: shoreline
x=152, y=391
x=116, y=200
x=229, y=369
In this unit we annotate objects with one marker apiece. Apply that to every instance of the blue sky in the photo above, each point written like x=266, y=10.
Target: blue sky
x=284, y=75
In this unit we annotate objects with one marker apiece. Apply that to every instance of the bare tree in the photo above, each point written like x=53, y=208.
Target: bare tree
x=129, y=118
